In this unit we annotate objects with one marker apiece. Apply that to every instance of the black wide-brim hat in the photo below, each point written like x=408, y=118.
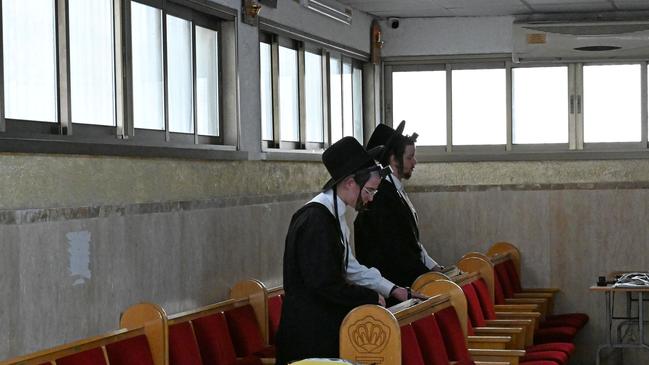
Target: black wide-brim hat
x=386, y=136
x=346, y=157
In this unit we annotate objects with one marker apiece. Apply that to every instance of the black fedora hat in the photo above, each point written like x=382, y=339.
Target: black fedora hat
x=386, y=136
x=346, y=157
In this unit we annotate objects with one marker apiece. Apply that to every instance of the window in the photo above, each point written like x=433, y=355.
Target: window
x=313, y=82
x=29, y=46
x=612, y=103
x=145, y=72
x=540, y=105
x=498, y=106
x=479, y=107
x=148, y=74
x=419, y=97
x=309, y=97
x=92, y=85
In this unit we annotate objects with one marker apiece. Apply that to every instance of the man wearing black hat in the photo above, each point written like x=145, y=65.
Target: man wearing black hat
x=386, y=234
x=322, y=279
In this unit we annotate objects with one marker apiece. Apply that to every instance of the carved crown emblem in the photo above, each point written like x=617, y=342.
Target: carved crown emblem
x=369, y=335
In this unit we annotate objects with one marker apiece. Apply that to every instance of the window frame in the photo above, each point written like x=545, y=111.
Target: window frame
x=62, y=136
x=574, y=149
x=273, y=33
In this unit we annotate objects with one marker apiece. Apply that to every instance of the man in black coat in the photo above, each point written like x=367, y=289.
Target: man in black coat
x=319, y=285
x=386, y=234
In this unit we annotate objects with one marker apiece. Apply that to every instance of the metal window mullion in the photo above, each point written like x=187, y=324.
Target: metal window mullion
x=342, y=95
x=274, y=61
x=301, y=72
x=194, y=87
x=325, y=98
x=449, y=108
x=572, y=119
x=579, y=100
x=64, y=106
x=123, y=69
x=3, y=123
x=509, y=105
x=643, y=103
x=387, y=93
x=165, y=73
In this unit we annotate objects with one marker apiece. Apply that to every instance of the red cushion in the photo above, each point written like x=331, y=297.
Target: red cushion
x=473, y=306
x=430, y=341
x=499, y=295
x=565, y=347
x=486, y=303
x=132, y=351
x=555, y=334
x=213, y=338
x=577, y=320
x=245, y=331
x=274, y=315
x=89, y=357
x=506, y=285
x=514, y=279
x=454, y=340
x=183, y=348
x=410, y=352
x=556, y=356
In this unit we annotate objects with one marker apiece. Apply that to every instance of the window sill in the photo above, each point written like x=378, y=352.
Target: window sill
x=531, y=155
x=121, y=148
x=275, y=154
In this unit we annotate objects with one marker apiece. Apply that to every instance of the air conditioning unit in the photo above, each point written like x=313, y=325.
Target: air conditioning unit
x=580, y=41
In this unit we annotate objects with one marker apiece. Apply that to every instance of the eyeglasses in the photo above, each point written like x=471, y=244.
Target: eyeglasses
x=370, y=191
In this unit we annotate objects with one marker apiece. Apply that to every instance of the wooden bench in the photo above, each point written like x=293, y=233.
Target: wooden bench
x=140, y=342
x=371, y=334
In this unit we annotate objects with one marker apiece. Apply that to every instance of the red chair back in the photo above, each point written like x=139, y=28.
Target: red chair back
x=431, y=341
x=183, y=348
x=131, y=351
x=410, y=351
x=454, y=341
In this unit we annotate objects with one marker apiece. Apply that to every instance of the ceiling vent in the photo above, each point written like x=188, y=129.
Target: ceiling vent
x=580, y=41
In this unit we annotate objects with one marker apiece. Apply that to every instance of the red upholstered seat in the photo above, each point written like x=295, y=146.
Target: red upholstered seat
x=89, y=357
x=555, y=334
x=246, y=334
x=215, y=343
x=556, y=356
x=183, y=348
x=430, y=341
x=473, y=306
x=274, y=315
x=454, y=340
x=410, y=351
x=488, y=310
x=577, y=320
x=565, y=347
x=132, y=351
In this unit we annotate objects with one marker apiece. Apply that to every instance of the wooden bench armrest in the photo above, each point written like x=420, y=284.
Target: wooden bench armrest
x=510, y=356
x=267, y=360
x=516, y=307
x=526, y=324
x=492, y=363
x=541, y=302
x=517, y=334
x=489, y=342
x=541, y=290
x=535, y=317
x=534, y=295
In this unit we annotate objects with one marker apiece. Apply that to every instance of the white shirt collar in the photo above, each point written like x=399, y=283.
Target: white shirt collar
x=397, y=182
x=326, y=198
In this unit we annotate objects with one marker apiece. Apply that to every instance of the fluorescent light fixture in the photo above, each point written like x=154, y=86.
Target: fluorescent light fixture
x=330, y=10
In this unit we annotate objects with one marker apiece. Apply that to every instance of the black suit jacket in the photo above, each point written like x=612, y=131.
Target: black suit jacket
x=386, y=237
x=317, y=296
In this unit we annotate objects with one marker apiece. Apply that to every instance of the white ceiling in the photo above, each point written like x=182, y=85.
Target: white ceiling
x=451, y=8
